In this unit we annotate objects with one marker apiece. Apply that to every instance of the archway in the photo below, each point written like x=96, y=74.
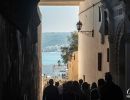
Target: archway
x=123, y=56
x=124, y=63
x=121, y=63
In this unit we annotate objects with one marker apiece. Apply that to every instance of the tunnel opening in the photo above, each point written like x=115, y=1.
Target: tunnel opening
x=58, y=22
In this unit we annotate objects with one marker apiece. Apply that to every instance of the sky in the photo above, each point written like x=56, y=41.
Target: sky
x=59, y=18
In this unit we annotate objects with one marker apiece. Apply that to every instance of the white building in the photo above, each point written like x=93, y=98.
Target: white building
x=93, y=47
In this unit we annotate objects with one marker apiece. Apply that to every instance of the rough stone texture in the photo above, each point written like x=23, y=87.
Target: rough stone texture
x=19, y=69
x=118, y=41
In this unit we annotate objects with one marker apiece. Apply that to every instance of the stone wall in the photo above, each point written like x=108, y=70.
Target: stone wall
x=19, y=69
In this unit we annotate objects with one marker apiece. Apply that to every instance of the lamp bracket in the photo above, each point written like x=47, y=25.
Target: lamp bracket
x=88, y=33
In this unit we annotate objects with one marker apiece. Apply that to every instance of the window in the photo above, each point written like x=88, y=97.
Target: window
x=99, y=14
x=106, y=22
x=104, y=25
x=118, y=12
x=99, y=61
x=107, y=54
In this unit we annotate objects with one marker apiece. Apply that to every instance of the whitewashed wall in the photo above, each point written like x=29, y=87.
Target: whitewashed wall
x=90, y=46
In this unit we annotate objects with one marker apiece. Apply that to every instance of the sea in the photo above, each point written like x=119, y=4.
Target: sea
x=51, y=52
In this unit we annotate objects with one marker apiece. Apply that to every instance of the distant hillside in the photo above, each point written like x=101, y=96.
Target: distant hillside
x=53, y=41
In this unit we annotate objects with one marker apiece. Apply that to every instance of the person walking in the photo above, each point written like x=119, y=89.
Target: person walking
x=111, y=91
x=94, y=92
x=50, y=92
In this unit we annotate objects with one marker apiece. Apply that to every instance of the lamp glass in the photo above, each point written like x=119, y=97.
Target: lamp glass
x=79, y=25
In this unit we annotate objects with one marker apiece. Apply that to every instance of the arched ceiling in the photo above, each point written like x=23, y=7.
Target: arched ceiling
x=60, y=2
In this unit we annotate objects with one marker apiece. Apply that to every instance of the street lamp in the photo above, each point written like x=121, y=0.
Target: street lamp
x=79, y=27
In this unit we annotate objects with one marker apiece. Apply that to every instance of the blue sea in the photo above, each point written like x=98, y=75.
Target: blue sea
x=52, y=42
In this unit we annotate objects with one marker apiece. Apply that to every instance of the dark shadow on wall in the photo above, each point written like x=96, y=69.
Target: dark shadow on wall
x=19, y=69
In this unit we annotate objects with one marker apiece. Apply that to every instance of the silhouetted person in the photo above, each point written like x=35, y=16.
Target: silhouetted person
x=60, y=90
x=76, y=91
x=111, y=91
x=101, y=84
x=80, y=83
x=85, y=91
x=68, y=91
x=94, y=92
x=93, y=86
x=51, y=92
x=56, y=84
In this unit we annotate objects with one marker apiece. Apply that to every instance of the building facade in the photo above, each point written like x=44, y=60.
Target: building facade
x=93, y=46
x=73, y=67
x=110, y=20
